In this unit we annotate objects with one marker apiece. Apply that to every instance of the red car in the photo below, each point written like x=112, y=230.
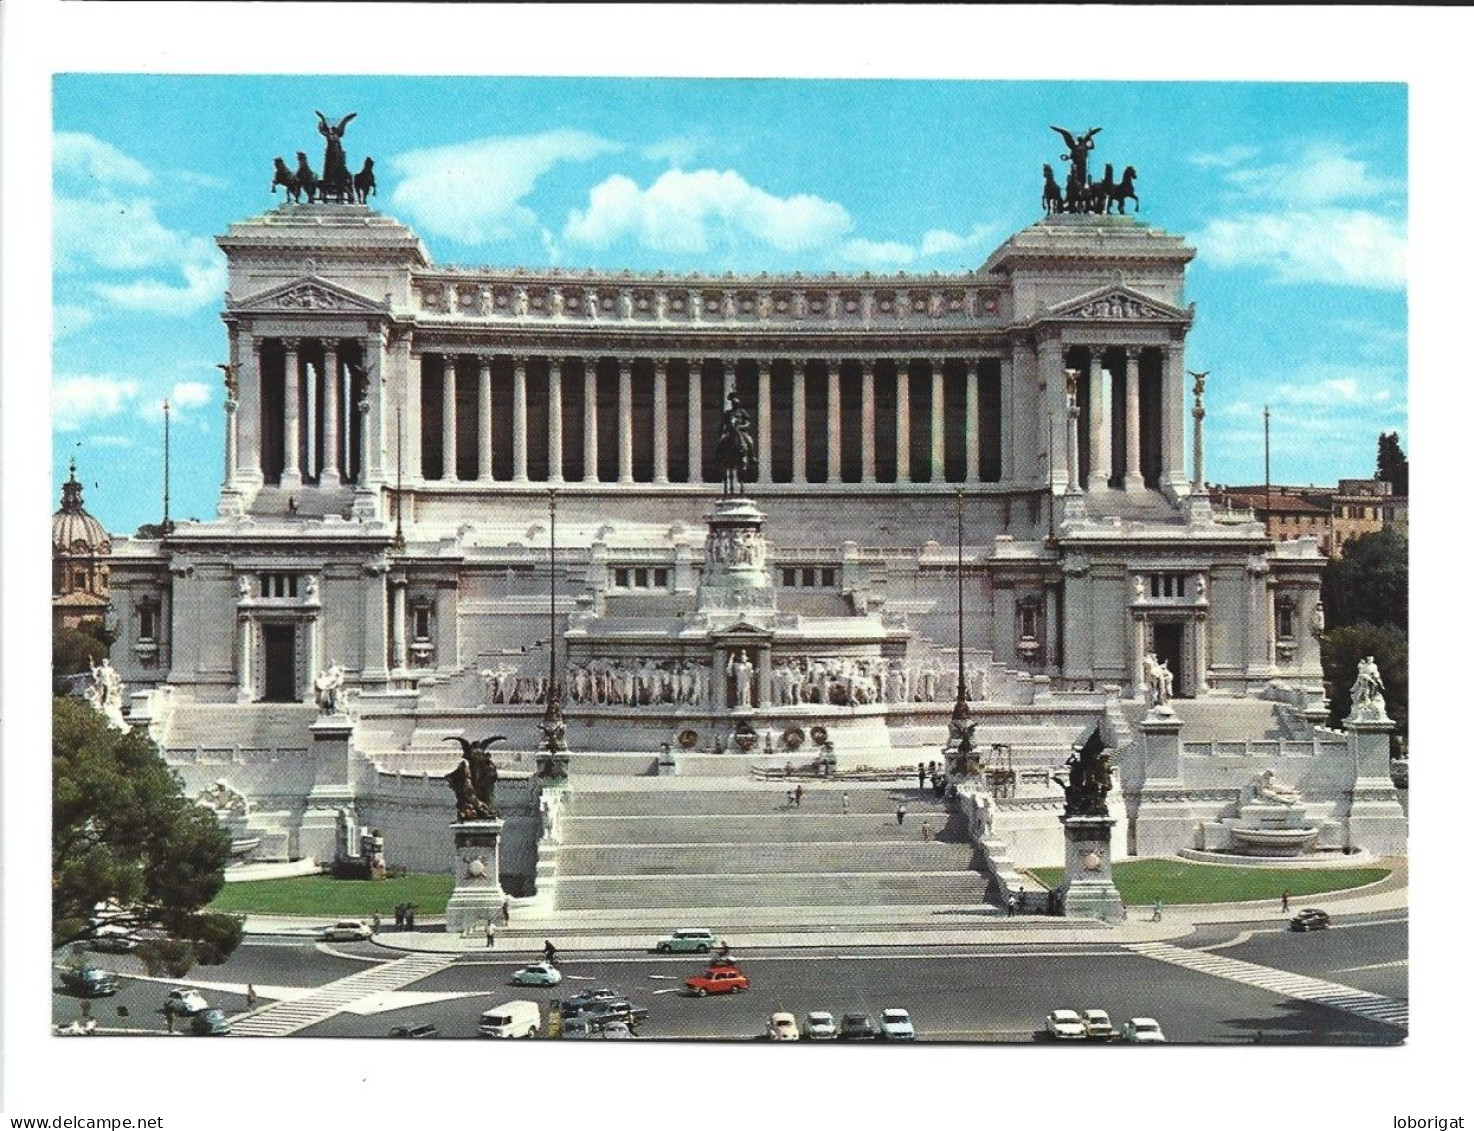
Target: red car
x=717, y=980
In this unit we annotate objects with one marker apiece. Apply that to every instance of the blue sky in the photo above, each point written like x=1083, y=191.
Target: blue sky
x=1295, y=196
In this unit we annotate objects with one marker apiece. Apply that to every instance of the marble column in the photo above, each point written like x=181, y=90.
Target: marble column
x=408, y=423
x=938, y=424
x=693, y=419
x=903, y=422
x=291, y=475
x=662, y=422
x=1172, y=396
x=397, y=625
x=555, y=420
x=248, y=381
x=835, y=431
x=519, y=419
x=1133, y=480
x=974, y=431
x=765, y=420
x=332, y=416
x=371, y=458
x=483, y=419
x=448, y=420
x=867, y=421
x=1053, y=411
x=1008, y=409
x=1072, y=435
x=1100, y=420
x=626, y=422
x=246, y=630
x=800, y=425
x=591, y=420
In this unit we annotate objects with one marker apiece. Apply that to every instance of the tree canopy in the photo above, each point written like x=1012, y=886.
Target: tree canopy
x=124, y=835
x=75, y=650
x=1392, y=462
x=1342, y=648
x=1369, y=584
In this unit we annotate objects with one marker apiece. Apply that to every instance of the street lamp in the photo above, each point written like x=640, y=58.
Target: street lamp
x=552, y=762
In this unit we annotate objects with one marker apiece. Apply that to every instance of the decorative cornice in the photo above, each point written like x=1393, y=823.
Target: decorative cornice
x=309, y=295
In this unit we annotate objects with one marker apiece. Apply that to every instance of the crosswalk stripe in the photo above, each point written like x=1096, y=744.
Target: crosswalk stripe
x=283, y=1018
x=1375, y=1007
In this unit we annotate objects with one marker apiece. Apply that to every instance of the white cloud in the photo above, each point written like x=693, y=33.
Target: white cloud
x=115, y=234
x=473, y=191
x=941, y=242
x=79, y=399
x=183, y=398
x=1225, y=158
x=688, y=212
x=878, y=255
x=203, y=285
x=1321, y=175
x=81, y=155
x=1329, y=245
x=676, y=151
x=69, y=318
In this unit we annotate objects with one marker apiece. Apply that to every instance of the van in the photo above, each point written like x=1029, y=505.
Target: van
x=698, y=939
x=514, y=1019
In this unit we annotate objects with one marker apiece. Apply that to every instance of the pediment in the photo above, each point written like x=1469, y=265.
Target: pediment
x=310, y=295
x=1115, y=304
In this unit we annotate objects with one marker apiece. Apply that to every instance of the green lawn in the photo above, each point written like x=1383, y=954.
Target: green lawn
x=327, y=898
x=1141, y=882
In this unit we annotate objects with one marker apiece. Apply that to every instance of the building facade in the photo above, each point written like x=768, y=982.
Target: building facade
x=394, y=429
x=80, y=548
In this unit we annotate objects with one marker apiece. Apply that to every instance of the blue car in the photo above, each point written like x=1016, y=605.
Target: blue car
x=538, y=974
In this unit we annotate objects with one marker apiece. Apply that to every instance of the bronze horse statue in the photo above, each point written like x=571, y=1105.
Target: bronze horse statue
x=1053, y=201
x=306, y=179
x=288, y=180
x=363, y=182
x=1124, y=191
x=735, y=448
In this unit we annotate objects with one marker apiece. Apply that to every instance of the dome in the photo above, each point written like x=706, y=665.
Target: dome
x=73, y=530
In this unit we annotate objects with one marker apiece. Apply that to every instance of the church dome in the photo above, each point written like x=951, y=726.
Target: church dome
x=73, y=530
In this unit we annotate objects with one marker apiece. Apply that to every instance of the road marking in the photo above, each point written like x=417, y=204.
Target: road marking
x=1375, y=1007
x=283, y=1018
x=1373, y=966
x=328, y=948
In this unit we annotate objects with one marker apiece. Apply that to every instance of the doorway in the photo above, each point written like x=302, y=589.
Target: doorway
x=280, y=649
x=1167, y=644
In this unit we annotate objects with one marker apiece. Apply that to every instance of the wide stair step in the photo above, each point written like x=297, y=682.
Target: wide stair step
x=737, y=831
x=866, y=889
x=748, y=799
x=750, y=858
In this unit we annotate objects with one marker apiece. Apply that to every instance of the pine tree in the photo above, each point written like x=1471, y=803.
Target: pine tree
x=1391, y=462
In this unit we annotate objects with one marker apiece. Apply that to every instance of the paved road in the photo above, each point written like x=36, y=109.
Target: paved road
x=954, y=994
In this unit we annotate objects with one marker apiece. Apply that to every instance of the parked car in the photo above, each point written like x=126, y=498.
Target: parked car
x=538, y=974
x=1098, y=1025
x=1143, y=1031
x=512, y=1019
x=112, y=939
x=717, y=980
x=1311, y=919
x=209, y=1023
x=782, y=1027
x=603, y=1013
x=1065, y=1025
x=425, y=1029
x=615, y=1031
x=895, y=1025
x=348, y=930
x=819, y=1026
x=688, y=939
x=187, y=1002
x=576, y=1029
x=90, y=982
x=856, y=1027
x=579, y=1003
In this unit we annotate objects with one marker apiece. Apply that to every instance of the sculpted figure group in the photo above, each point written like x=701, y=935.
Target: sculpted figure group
x=1082, y=194
x=336, y=183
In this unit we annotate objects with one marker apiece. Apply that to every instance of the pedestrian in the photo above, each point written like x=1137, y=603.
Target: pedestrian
x=1157, y=911
x=844, y=801
x=1021, y=903
x=507, y=911
x=550, y=952
x=798, y=796
x=901, y=813
x=1285, y=900
x=490, y=935
x=376, y=922
x=409, y=917
x=920, y=775
x=1012, y=904
x=169, y=1016
x=791, y=802
x=250, y=996
x=926, y=831
x=399, y=916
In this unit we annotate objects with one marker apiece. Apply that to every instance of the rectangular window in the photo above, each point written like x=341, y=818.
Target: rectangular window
x=826, y=578
x=422, y=622
x=662, y=578
x=146, y=627
x=621, y=579
x=642, y=579
x=788, y=578
x=808, y=578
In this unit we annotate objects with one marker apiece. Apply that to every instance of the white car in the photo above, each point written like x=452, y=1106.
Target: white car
x=1065, y=1025
x=1098, y=1025
x=538, y=974
x=782, y=1027
x=187, y=1002
x=819, y=1026
x=895, y=1025
x=1143, y=1031
x=348, y=930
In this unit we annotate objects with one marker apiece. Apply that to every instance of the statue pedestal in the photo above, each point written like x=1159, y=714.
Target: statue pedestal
x=475, y=862
x=1378, y=822
x=1088, y=892
x=331, y=804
